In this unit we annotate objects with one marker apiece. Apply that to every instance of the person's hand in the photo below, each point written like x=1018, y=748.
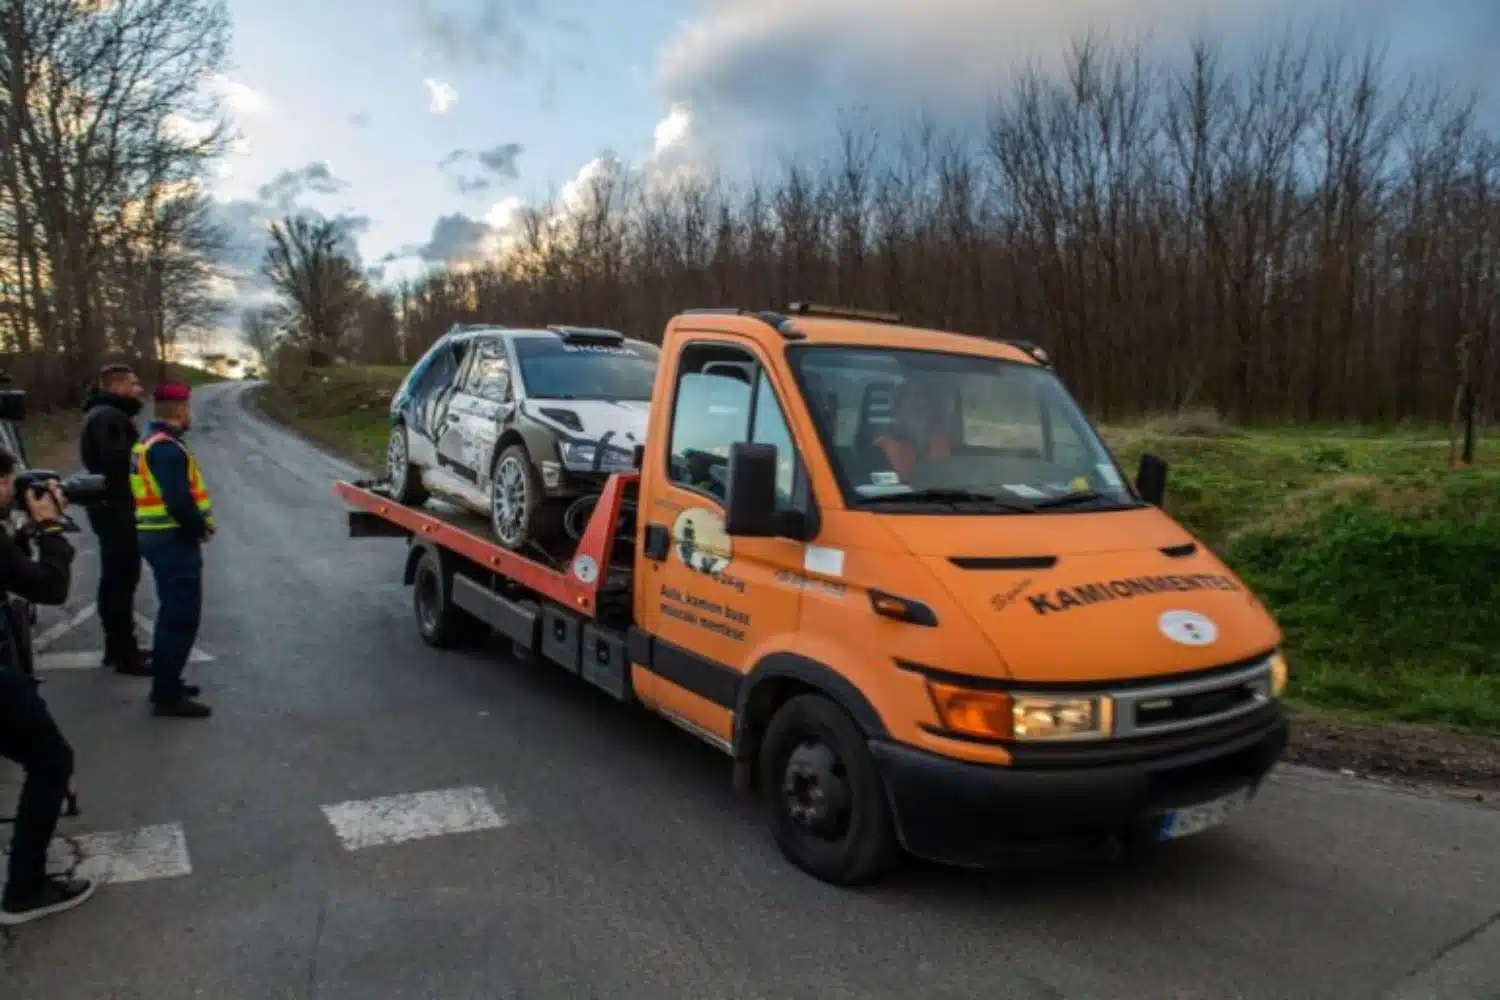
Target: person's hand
x=48, y=505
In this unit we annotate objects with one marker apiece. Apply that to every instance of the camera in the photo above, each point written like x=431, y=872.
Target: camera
x=84, y=488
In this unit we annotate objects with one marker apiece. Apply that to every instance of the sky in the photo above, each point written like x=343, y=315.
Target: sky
x=424, y=122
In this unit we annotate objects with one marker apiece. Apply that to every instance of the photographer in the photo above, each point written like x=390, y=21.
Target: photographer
x=28, y=734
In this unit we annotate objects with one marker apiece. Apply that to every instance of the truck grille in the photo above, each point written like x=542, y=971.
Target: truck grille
x=1171, y=707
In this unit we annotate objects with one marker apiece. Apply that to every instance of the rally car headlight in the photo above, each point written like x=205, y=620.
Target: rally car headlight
x=579, y=457
x=1003, y=715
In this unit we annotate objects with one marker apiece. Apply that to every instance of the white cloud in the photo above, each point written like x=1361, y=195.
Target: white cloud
x=441, y=96
x=185, y=129
x=774, y=74
x=674, y=129
x=241, y=98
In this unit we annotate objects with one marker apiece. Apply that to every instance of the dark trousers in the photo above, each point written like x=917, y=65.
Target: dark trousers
x=177, y=563
x=119, y=575
x=30, y=737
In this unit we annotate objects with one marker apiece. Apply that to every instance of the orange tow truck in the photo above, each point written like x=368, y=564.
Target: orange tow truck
x=895, y=574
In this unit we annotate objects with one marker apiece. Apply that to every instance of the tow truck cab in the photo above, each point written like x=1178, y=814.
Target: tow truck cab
x=898, y=576
x=1027, y=648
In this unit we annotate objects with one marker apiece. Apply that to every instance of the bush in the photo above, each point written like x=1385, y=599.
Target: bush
x=1384, y=611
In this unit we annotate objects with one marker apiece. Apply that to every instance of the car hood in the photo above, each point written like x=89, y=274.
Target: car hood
x=1080, y=597
x=591, y=419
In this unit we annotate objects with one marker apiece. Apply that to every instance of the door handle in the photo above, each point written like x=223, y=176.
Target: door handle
x=452, y=418
x=658, y=542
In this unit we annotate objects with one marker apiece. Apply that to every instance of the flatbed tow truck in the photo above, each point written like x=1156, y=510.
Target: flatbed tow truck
x=896, y=575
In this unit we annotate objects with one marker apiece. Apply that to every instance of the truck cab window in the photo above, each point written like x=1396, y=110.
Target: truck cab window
x=712, y=409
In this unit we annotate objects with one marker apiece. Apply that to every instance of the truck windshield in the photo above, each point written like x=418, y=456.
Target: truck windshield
x=927, y=431
x=552, y=369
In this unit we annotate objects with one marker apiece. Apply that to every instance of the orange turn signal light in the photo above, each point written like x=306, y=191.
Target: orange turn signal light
x=902, y=610
x=972, y=712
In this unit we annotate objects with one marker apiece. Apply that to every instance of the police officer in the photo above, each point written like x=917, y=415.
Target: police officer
x=28, y=734
x=174, y=518
x=109, y=433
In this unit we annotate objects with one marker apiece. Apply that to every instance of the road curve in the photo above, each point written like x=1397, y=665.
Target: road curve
x=595, y=852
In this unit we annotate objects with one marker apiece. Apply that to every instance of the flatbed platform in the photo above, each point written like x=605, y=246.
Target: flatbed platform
x=596, y=573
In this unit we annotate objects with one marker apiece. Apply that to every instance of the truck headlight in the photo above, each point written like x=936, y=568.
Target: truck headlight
x=579, y=457
x=1032, y=718
x=1278, y=674
x=1061, y=717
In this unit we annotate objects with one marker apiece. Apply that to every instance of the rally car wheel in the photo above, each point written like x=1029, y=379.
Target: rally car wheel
x=404, y=478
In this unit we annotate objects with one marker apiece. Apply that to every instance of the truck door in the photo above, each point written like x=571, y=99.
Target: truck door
x=714, y=604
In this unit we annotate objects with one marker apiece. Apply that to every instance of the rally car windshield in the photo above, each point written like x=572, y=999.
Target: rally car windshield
x=929, y=432
x=554, y=369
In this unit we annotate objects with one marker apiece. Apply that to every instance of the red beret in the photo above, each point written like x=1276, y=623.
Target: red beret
x=172, y=392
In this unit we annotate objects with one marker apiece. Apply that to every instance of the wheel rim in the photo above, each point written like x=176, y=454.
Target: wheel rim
x=428, y=600
x=395, y=459
x=815, y=792
x=509, y=501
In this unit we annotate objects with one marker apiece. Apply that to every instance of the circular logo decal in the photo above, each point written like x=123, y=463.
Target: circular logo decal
x=1188, y=628
x=699, y=538
x=586, y=569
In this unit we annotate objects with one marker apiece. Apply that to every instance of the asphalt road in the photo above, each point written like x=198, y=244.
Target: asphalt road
x=596, y=852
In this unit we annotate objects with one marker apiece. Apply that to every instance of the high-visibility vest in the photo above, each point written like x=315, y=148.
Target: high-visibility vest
x=151, y=512
x=903, y=456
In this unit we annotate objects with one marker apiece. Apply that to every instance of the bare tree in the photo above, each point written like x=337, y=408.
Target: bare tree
x=322, y=288
x=260, y=327
x=108, y=132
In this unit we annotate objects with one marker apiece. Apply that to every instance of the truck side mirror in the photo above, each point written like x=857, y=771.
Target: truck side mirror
x=1151, y=479
x=750, y=498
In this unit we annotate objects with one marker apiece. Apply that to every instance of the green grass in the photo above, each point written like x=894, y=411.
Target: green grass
x=346, y=408
x=1377, y=559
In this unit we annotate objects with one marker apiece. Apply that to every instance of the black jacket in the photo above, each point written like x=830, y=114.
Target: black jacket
x=109, y=433
x=43, y=580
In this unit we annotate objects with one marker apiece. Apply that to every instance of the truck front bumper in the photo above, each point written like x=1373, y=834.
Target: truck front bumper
x=961, y=813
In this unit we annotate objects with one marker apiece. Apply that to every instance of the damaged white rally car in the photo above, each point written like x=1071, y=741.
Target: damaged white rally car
x=521, y=425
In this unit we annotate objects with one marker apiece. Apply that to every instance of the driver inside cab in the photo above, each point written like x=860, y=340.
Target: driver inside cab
x=916, y=431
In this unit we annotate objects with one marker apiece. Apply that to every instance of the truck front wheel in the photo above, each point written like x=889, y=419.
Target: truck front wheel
x=441, y=623
x=827, y=802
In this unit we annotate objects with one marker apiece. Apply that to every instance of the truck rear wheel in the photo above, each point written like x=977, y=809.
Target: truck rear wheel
x=442, y=624
x=827, y=803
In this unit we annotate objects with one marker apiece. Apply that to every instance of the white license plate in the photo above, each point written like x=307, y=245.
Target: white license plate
x=1206, y=815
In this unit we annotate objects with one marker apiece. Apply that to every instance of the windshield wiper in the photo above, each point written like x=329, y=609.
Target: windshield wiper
x=946, y=496
x=1069, y=500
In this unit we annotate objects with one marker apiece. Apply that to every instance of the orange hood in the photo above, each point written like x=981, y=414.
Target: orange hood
x=1091, y=596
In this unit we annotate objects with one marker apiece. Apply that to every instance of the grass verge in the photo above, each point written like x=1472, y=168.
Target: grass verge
x=1376, y=558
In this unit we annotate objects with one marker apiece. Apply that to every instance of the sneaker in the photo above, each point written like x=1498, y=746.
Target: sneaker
x=181, y=708
x=54, y=895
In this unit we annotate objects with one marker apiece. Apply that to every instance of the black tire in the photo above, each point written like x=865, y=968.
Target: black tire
x=441, y=624
x=404, y=478
x=538, y=521
x=847, y=837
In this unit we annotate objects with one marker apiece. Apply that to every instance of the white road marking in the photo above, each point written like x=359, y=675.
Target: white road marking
x=396, y=819
x=69, y=661
x=63, y=627
x=94, y=660
x=151, y=852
